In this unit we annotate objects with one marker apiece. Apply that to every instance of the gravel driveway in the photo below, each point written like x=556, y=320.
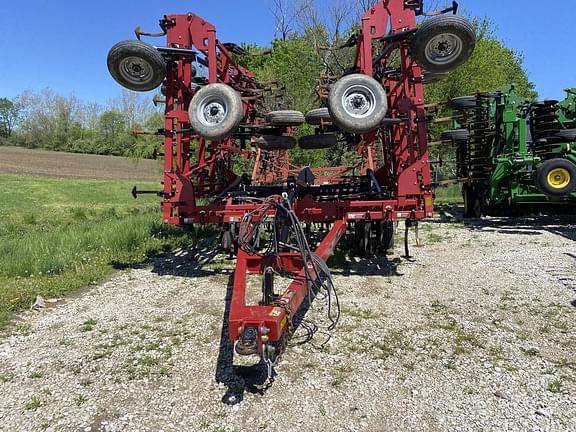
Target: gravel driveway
x=476, y=333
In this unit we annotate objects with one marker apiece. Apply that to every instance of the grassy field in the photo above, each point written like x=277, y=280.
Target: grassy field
x=451, y=194
x=59, y=235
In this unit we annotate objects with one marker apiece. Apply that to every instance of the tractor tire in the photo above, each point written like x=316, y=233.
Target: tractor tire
x=433, y=77
x=463, y=103
x=556, y=177
x=357, y=103
x=215, y=111
x=315, y=142
x=443, y=43
x=456, y=135
x=285, y=118
x=136, y=65
x=318, y=116
x=568, y=134
x=275, y=142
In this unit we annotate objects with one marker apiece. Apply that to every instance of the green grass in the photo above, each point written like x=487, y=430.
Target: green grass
x=60, y=235
x=451, y=194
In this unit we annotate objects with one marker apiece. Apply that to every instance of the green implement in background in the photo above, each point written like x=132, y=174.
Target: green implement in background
x=513, y=154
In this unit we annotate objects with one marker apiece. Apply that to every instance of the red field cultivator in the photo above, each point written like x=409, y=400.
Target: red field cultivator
x=212, y=118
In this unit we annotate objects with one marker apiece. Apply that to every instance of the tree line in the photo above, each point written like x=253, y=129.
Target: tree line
x=47, y=120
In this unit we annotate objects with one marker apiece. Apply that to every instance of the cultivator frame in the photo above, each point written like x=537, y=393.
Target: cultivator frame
x=393, y=181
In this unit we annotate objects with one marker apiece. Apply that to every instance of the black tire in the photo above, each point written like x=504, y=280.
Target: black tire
x=455, y=135
x=136, y=65
x=276, y=142
x=472, y=203
x=433, y=77
x=215, y=111
x=443, y=43
x=318, y=116
x=569, y=134
x=463, y=103
x=315, y=142
x=357, y=103
x=285, y=118
x=556, y=177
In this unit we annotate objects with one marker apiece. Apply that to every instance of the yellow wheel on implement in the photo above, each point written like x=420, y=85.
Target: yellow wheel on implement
x=559, y=178
x=556, y=177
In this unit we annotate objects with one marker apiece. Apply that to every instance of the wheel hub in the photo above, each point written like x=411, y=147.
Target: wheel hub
x=559, y=178
x=135, y=70
x=358, y=101
x=213, y=113
x=444, y=48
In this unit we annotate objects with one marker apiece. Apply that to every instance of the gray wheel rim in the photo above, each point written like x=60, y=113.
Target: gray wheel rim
x=212, y=111
x=359, y=101
x=135, y=70
x=444, y=48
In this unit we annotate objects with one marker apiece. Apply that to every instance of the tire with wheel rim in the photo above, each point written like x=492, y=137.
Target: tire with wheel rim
x=276, y=142
x=318, y=116
x=136, y=65
x=556, y=177
x=357, y=103
x=315, y=142
x=285, y=118
x=455, y=135
x=443, y=43
x=215, y=111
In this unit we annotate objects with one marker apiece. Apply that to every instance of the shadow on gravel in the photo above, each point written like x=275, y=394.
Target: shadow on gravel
x=562, y=225
x=186, y=262
x=374, y=266
x=237, y=379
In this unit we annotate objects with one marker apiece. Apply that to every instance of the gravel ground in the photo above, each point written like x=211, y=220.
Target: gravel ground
x=475, y=333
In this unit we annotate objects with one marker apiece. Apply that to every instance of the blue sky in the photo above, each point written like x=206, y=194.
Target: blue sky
x=62, y=44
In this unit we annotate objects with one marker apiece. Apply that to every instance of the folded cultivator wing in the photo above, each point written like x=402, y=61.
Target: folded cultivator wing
x=267, y=217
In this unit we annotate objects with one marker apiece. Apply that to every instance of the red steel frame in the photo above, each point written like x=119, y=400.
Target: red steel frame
x=403, y=166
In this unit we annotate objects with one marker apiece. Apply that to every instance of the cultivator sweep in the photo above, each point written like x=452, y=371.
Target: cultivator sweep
x=266, y=218
x=513, y=154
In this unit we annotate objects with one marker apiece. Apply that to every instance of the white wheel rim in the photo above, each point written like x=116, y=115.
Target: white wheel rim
x=212, y=111
x=135, y=70
x=359, y=101
x=444, y=48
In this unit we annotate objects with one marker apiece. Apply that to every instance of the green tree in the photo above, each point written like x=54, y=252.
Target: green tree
x=9, y=115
